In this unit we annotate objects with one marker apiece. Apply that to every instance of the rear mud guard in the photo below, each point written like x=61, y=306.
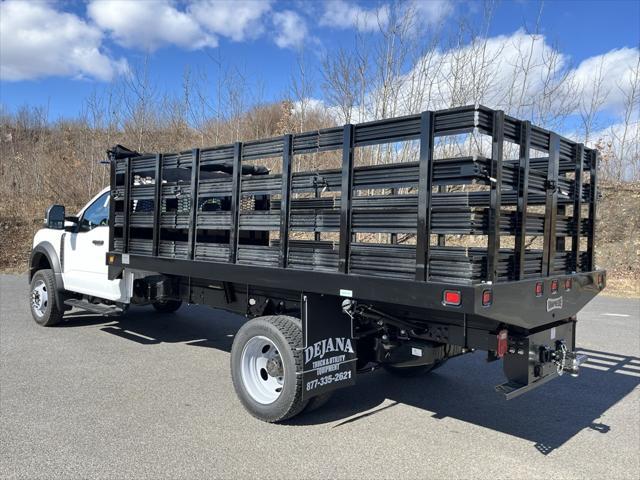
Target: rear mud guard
x=329, y=349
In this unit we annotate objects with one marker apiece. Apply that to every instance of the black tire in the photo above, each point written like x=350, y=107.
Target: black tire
x=286, y=335
x=43, y=292
x=318, y=401
x=415, y=371
x=167, y=306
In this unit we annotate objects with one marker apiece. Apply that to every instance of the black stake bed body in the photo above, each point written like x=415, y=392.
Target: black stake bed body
x=399, y=222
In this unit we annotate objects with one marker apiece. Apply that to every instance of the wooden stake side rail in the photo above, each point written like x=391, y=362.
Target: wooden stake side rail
x=219, y=204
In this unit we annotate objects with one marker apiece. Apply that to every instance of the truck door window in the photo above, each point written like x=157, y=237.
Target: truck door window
x=96, y=214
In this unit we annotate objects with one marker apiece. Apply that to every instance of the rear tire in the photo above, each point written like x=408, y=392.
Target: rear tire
x=167, y=306
x=265, y=358
x=43, y=299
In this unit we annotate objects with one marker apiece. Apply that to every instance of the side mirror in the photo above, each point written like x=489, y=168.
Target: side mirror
x=54, y=217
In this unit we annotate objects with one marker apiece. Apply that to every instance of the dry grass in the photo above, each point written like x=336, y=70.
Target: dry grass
x=16, y=237
x=627, y=287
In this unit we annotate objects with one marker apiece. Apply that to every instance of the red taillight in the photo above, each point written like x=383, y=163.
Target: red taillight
x=554, y=286
x=567, y=284
x=487, y=298
x=539, y=289
x=452, y=297
x=501, y=349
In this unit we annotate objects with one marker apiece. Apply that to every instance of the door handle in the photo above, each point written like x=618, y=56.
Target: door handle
x=98, y=242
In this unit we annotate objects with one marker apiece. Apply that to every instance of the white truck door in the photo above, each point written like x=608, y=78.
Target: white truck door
x=85, y=269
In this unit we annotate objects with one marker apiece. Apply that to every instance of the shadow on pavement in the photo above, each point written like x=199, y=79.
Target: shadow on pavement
x=191, y=325
x=462, y=389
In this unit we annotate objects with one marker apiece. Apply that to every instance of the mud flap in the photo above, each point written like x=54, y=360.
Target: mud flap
x=329, y=350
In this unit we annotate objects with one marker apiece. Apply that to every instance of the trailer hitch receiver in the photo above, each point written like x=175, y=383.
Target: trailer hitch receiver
x=533, y=360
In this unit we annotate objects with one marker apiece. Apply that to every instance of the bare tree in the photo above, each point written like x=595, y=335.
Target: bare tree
x=626, y=138
x=139, y=95
x=341, y=76
x=301, y=89
x=591, y=105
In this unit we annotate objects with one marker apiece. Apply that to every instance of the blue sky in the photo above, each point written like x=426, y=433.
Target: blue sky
x=264, y=47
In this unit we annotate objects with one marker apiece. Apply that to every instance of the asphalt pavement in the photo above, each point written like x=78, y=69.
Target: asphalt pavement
x=150, y=396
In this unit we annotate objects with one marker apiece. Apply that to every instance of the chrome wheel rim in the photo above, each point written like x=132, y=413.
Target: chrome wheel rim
x=262, y=370
x=39, y=298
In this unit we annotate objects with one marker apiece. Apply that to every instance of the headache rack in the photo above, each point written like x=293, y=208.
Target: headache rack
x=383, y=199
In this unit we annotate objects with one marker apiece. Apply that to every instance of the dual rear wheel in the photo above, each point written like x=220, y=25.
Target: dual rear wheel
x=266, y=357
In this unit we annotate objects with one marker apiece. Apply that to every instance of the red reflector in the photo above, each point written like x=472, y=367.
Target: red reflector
x=554, y=286
x=452, y=297
x=539, y=289
x=501, y=349
x=487, y=298
x=567, y=284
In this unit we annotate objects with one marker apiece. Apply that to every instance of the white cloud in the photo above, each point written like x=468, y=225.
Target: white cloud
x=149, y=24
x=488, y=71
x=432, y=12
x=342, y=14
x=619, y=137
x=290, y=29
x=38, y=41
x=345, y=14
x=310, y=104
x=612, y=71
x=236, y=20
x=152, y=24
x=520, y=70
x=520, y=73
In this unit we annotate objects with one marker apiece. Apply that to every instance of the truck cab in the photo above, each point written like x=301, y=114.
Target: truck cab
x=67, y=266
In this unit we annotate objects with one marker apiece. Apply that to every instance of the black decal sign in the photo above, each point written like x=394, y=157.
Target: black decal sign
x=329, y=352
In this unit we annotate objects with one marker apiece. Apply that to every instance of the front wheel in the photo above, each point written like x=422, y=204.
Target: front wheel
x=43, y=300
x=265, y=358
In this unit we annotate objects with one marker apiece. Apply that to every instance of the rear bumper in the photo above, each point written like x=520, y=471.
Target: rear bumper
x=516, y=303
x=535, y=359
